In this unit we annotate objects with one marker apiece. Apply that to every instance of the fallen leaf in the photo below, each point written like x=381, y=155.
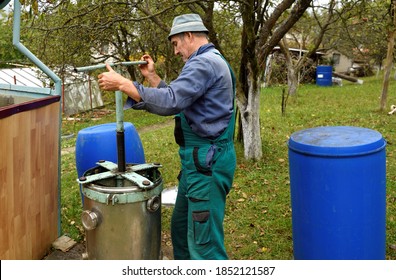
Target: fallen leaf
x=264, y=249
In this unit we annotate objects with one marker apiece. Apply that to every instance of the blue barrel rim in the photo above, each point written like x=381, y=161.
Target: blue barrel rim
x=311, y=141
x=103, y=127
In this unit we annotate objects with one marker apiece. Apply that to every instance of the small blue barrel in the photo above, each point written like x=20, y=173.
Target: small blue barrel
x=100, y=142
x=338, y=193
x=324, y=75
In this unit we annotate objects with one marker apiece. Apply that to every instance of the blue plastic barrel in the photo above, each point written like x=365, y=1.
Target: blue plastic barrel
x=100, y=142
x=338, y=193
x=324, y=74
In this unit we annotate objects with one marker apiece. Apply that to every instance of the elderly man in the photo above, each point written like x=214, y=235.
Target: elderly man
x=202, y=100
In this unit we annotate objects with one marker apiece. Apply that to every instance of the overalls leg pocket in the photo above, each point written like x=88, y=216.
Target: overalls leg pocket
x=201, y=222
x=199, y=185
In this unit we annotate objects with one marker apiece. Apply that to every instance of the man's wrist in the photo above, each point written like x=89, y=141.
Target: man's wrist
x=125, y=85
x=153, y=80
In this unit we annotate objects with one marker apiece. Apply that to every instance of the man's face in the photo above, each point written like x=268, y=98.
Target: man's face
x=181, y=46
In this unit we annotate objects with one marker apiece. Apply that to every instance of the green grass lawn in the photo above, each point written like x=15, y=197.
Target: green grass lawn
x=258, y=216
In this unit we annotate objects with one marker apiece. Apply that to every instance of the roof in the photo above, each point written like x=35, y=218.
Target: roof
x=23, y=77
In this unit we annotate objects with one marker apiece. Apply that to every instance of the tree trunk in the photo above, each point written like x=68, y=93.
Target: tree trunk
x=292, y=71
x=389, y=57
x=292, y=81
x=388, y=68
x=250, y=120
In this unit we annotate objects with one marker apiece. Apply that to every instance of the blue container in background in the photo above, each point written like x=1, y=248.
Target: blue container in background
x=100, y=143
x=324, y=75
x=338, y=193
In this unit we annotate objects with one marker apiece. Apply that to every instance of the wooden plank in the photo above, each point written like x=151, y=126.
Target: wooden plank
x=29, y=182
x=348, y=78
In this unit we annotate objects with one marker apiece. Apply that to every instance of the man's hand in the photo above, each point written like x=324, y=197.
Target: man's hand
x=110, y=80
x=113, y=81
x=149, y=68
x=148, y=71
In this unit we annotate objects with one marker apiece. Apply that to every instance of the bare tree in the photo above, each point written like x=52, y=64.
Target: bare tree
x=264, y=25
x=322, y=22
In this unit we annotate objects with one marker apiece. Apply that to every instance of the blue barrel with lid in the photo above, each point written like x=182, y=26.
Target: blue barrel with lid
x=324, y=75
x=338, y=193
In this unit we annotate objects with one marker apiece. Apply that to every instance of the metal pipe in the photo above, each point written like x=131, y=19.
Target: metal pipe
x=99, y=66
x=120, y=132
x=16, y=42
x=119, y=111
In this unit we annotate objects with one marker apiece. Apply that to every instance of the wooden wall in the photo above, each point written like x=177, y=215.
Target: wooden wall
x=29, y=158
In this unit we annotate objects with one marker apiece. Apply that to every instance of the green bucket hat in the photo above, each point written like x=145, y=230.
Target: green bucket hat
x=187, y=23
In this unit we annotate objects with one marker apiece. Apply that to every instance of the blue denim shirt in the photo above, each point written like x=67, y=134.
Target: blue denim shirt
x=203, y=92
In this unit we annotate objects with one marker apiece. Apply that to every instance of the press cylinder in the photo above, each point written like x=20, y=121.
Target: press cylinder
x=123, y=223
